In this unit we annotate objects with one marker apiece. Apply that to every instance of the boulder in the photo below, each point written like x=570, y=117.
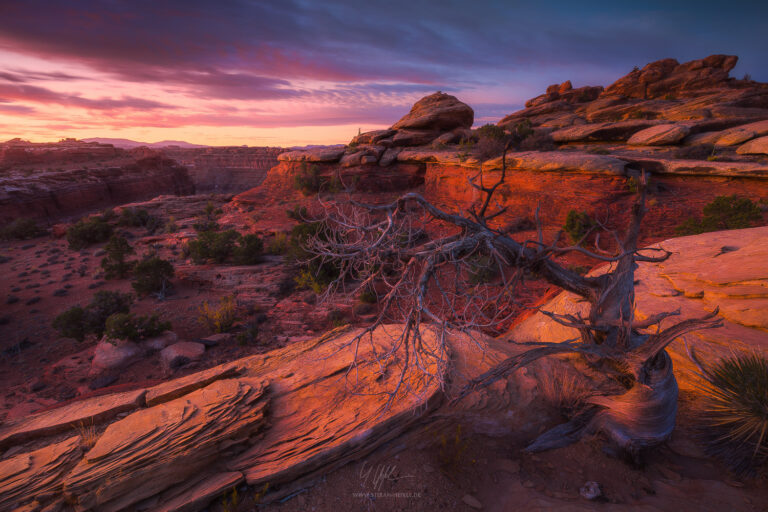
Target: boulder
x=181, y=353
x=438, y=112
x=112, y=355
x=757, y=146
x=660, y=135
x=160, y=342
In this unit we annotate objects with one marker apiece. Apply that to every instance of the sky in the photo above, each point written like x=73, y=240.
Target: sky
x=295, y=72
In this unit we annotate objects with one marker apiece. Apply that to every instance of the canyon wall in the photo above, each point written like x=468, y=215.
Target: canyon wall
x=53, y=195
x=225, y=169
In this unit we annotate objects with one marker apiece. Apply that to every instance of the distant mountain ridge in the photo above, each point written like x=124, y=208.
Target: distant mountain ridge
x=130, y=144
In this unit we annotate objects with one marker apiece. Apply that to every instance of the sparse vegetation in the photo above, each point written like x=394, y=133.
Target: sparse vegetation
x=114, y=263
x=217, y=246
x=126, y=326
x=218, y=318
x=578, y=224
x=132, y=217
x=481, y=269
x=207, y=220
x=491, y=140
x=315, y=273
x=88, y=231
x=152, y=275
x=279, y=244
x=221, y=246
x=77, y=322
x=250, y=250
x=736, y=411
x=307, y=180
x=725, y=212
x=21, y=229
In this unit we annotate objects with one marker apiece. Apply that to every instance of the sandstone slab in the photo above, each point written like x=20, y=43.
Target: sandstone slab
x=660, y=135
x=757, y=146
x=559, y=161
x=609, y=131
x=123, y=467
x=89, y=411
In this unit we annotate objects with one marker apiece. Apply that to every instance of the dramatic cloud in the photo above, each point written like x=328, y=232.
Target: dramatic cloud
x=300, y=63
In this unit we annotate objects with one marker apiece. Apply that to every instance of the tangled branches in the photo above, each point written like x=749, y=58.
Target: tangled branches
x=421, y=260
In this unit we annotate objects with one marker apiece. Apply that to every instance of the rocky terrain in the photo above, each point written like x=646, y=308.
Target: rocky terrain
x=279, y=420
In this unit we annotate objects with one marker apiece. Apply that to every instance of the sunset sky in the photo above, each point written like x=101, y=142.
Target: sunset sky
x=294, y=72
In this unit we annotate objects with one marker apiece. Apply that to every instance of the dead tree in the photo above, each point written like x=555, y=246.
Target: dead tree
x=423, y=283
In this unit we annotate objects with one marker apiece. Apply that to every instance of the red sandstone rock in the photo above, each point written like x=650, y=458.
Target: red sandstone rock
x=437, y=112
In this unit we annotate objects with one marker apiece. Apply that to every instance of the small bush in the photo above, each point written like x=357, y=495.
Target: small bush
x=725, y=212
x=77, y=322
x=279, y=244
x=87, y=232
x=249, y=251
x=171, y=226
x=218, y=246
x=219, y=318
x=152, y=275
x=537, y=141
x=207, y=221
x=250, y=335
x=114, y=264
x=736, y=411
x=577, y=224
x=21, y=229
x=307, y=180
x=126, y=326
x=131, y=217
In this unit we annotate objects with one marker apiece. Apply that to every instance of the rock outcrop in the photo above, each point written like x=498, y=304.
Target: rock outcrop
x=669, y=77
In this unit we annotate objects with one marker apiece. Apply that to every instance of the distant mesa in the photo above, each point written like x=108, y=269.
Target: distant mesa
x=130, y=144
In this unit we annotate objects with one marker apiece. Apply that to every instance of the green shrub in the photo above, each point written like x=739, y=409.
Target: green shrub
x=132, y=217
x=114, y=264
x=250, y=335
x=126, y=326
x=307, y=180
x=152, y=275
x=314, y=274
x=71, y=323
x=77, y=322
x=577, y=224
x=87, y=232
x=250, y=250
x=207, y=221
x=219, y=318
x=218, y=246
x=21, y=229
x=736, y=411
x=171, y=226
x=725, y=212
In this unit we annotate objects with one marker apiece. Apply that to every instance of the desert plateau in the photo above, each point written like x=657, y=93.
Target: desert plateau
x=383, y=263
